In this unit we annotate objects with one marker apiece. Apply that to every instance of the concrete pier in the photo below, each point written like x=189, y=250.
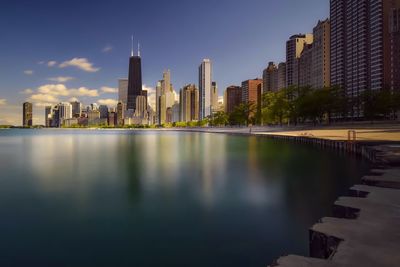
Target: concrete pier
x=366, y=228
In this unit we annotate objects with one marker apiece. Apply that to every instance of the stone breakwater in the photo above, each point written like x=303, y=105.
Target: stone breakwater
x=365, y=227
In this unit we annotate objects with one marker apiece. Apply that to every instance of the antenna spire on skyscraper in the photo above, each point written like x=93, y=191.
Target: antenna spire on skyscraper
x=132, y=47
x=138, y=49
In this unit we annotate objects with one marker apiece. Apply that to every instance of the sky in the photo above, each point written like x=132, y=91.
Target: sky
x=61, y=50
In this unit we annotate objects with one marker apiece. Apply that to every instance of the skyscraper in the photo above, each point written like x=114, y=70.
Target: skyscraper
x=361, y=51
x=120, y=113
x=65, y=110
x=27, y=114
x=251, y=91
x=394, y=28
x=134, y=80
x=321, y=57
x=233, y=98
x=103, y=111
x=48, y=115
x=294, y=47
x=76, y=109
x=205, y=80
x=123, y=90
x=214, y=97
x=270, y=78
x=281, y=75
x=189, y=103
x=165, y=97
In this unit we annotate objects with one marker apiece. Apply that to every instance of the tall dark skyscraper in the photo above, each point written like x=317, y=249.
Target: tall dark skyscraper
x=134, y=79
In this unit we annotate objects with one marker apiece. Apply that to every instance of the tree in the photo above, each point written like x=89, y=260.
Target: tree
x=220, y=118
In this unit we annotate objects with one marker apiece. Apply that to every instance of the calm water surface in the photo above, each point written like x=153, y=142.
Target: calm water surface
x=110, y=198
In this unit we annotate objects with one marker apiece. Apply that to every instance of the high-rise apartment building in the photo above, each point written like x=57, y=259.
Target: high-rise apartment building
x=270, y=78
x=321, y=55
x=304, y=64
x=189, y=103
x=233, y=98
x=294, y=48
x=123, y=91
x=281, y=75
x=205, y=84
x=362, y=54
x=394, y=32
x=27, y=114
x=251, y=91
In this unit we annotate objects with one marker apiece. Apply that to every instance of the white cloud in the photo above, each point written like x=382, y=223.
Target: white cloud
x=51, y=63
x=43, y=99
x=61, y=79
x=28, y=72
x=54, y=89
x=73, y=99
x=83, y=91
x=108, y=102
x=27, y=91
x=3, y=101
x=109, y=90
x=41, y=62
x=107, y=48
x=80, y=63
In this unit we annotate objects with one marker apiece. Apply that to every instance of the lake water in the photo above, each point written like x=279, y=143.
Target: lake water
x=119, y=198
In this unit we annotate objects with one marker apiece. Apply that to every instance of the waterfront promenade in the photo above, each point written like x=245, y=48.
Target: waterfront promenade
x=364, y=132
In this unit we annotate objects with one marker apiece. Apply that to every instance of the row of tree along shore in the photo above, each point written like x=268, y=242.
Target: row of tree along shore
x=301, y=105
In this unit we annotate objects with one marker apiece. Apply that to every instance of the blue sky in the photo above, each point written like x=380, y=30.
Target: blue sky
x=57, y=50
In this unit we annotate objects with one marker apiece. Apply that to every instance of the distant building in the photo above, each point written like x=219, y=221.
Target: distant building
x=27, y=114
x=112, y=119
x=294, y=48
x=120, y=113
x=305, y=65
x=103, y=109
x=233, y=98
x=141, y=106
x=169, y=115
x=94, y=118
x=176, y=112
x=189, y=103
x=205, y=83
x=214, y=97
x=48, y=112
x=123, y=91
x=76, y=109
x=65, y=112
x=165, y=97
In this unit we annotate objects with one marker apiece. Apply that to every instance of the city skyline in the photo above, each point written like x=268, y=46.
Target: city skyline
x=90, y=71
